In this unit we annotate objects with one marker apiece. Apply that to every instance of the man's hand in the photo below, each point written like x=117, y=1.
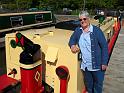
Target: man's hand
x=75, y=49
x=104, y=67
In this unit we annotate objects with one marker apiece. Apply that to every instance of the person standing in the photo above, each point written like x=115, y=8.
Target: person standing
x=90, y=41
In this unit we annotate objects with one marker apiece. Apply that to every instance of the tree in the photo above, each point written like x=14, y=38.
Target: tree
x=59, y=4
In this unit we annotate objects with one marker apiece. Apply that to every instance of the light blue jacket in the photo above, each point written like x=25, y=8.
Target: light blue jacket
x=99, y=46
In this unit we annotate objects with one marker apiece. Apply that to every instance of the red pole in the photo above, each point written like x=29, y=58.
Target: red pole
x=63, y=86
x=63, y=75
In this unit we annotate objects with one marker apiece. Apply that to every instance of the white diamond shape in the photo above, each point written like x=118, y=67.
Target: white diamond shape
x=37, y=76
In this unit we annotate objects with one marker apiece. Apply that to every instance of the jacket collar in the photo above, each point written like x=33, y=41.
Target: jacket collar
x=90, y=28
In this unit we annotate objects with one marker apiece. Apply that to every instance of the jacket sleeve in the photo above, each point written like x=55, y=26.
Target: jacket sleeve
x=73, y=39
x=104, y=47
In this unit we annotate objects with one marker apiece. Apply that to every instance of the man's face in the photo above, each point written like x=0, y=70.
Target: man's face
x=84, y=21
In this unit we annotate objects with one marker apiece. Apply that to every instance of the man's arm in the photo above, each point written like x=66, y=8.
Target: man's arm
x=73, y=42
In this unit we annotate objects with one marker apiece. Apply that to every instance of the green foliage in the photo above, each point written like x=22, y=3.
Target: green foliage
x=60, y=4
x=75, y=12
x=9, y=6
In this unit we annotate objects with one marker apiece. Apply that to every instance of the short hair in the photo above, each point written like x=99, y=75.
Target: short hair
x=84, y=13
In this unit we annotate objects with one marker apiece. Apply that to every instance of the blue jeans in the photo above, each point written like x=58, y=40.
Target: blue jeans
x=94, y=81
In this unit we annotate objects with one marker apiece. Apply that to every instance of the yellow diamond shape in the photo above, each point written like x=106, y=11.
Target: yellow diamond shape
x=37, y=76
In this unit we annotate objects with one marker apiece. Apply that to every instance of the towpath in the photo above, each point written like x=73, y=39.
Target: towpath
x=114, y=78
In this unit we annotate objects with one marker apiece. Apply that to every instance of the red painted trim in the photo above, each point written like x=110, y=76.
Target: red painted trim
x=111, y=44
x=6, y=81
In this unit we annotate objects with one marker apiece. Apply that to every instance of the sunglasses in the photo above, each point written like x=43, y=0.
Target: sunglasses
x=83, y=19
